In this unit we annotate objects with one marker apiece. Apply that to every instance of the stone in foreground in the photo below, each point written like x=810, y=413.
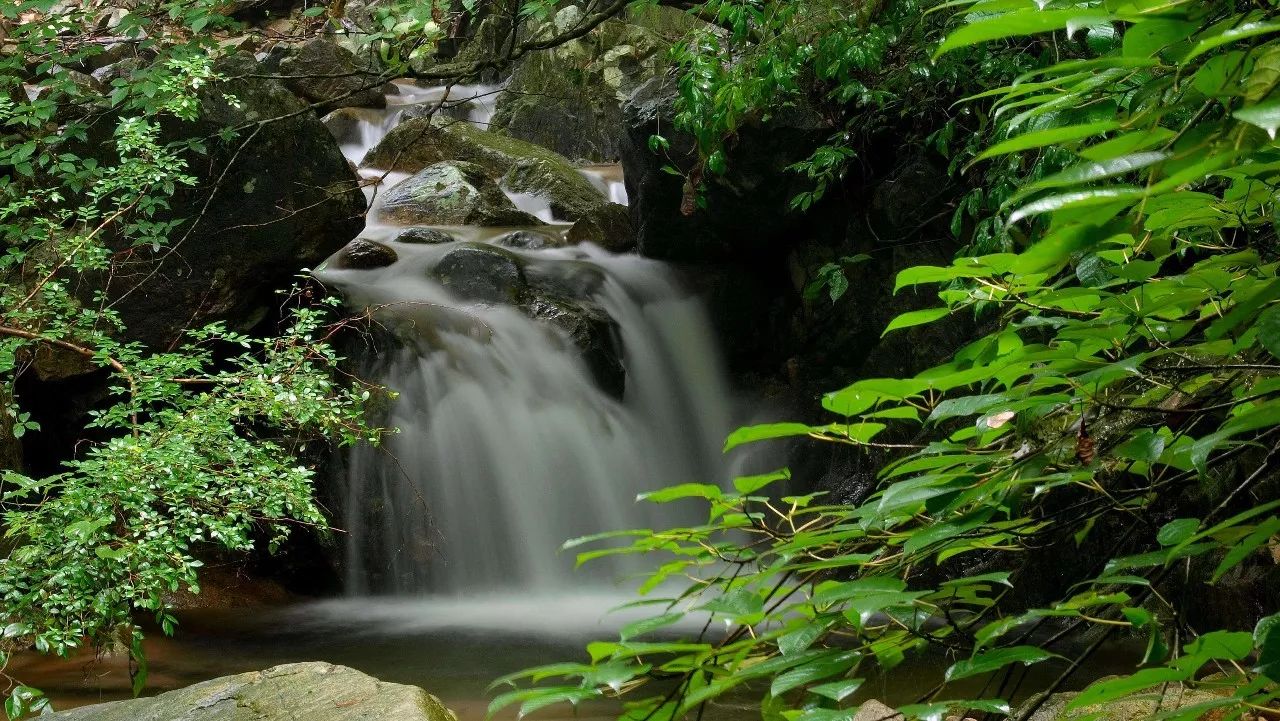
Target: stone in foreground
x=314, y=691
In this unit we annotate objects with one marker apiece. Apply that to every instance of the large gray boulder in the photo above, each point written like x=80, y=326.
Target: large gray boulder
x=451, y=193
x=484, y=273
x=519, y=166
x=271, y=201
x=314, y=690
x=322, y=71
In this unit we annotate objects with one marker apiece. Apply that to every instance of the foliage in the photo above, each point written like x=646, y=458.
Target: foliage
x=199, y=445
x=1119, y=421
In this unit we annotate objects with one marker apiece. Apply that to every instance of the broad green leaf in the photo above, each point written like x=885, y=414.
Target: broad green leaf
x=1016, y=24
x=747, y=485
x=765, y=432
x=1242, y=31
x=1266, y=637
x=1103, y=692
x=1177, y=531
x=1122, y=195
x=1248, y=545
x=915, y=318
x=684, y=490
x=996, y=659
x=1052, y=136
x=648, y=625
x=1222, y=645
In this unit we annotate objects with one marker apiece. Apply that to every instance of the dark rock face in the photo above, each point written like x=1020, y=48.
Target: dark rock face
x=482, y=273
x=424, y=236
x=362, y=254
x=267, y=205
x=592, y=331
x=572, y=279
x=747, y=214
x=608, y=226
x=329, y=74
x=529, y=240
x=570, y=98
x=451, y=193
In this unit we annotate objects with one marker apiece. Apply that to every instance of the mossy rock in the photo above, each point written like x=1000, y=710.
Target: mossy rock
x=522, y=167
x=451, y=193
x=293, y=691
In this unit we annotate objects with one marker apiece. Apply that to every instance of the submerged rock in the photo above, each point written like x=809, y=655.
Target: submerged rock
x=482, y=273
x=363, y=254
x=312, y=690
x=594, y=333
x=1136, y=708
x=529, y=240
x=424, y=236
x=608, y=226
x=451, y=193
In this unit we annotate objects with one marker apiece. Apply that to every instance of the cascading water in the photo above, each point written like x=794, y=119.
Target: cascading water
x=509, y=444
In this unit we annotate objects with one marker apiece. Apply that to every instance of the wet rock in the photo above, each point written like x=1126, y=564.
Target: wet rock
x=322, y=71
x=363, y=254
x=594, y=333
x=608, y=226
x=521, y=167
x=529, y=240
x=569, y=98
x=342, y=124
x=482, y=273
x=252, y=220
x=424, y=236
x=293, y=691
x=873, y=710
x=1135, y=709
x=451, y=193
x=572, y=279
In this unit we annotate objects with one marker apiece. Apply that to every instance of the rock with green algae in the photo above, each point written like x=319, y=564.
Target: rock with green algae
x=521, y=167
x=570, y=98
x=311, y=690
x=451, y=193
x=1136, y=708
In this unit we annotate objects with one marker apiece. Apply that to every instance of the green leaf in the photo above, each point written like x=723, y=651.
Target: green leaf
x=1268, y=326
x=684, y=490
x=1103, y=692
x=1015, y=24
x=997, y=659
x=1232, y=34
x=746, y=485
x=1247, y=546
x=648, y=625
x=1222, y=646
x=1052, y=136
x=1266, y=637
x=821, y=668
x=1078, y=199
x=915, y=318
x=1177, y=531
x=765, y=432
x=837, y=690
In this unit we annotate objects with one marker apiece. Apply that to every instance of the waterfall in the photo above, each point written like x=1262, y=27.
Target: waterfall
x=509, y=443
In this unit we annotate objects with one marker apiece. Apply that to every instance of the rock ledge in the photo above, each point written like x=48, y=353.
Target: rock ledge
x=313, y=690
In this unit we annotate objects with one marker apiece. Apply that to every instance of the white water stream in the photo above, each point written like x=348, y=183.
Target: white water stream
x=508, y=446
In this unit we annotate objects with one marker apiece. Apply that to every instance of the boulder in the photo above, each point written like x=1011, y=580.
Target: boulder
x=322, y=71
x=579, y=280
x=873, y=710
x=266, y=205
x=529, y=240
x=1133, y=709
x=521, y=167
x=424, y=236
x=482, y=273
x=608, y=226
x=591, y=329
x=363, y=254
x=569, y=98
x=312, y=690
x=747, y=216
x=451, y=193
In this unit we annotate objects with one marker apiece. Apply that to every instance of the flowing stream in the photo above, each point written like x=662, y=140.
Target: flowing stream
x=508, y=444
x=513, y=438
